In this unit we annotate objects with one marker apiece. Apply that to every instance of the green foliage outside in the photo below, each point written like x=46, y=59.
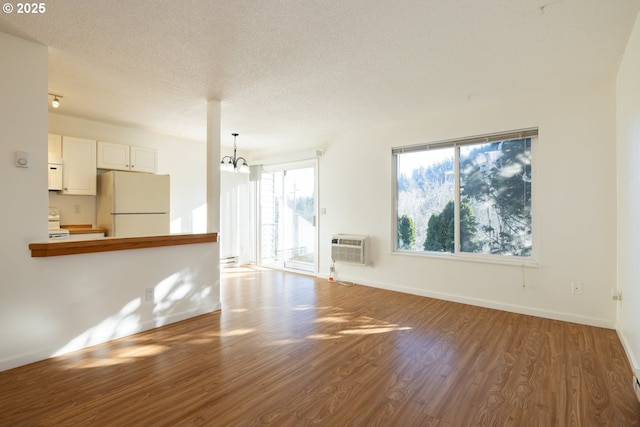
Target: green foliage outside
x=441, y=229
x=497, y=178
x=495, y=194
x=406, y=232
x=468, y=228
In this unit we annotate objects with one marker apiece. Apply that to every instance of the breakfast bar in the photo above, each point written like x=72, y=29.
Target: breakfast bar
x=58, y=248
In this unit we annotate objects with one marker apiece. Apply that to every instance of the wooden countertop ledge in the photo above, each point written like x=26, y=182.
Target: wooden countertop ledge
x=83, y=229
x=66, y=247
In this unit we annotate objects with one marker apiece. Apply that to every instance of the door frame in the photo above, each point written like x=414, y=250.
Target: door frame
x=283, y=166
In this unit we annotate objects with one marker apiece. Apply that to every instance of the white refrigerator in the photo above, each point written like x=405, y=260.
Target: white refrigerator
x=133, y=204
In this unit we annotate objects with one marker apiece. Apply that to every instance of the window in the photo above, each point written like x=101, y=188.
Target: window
x=467, y=196
x=288, y=231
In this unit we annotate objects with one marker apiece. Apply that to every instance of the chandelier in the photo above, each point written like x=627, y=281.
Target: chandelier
x=234, y=164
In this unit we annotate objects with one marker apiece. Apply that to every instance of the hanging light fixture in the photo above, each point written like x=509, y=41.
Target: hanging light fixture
x=234, y=164
x=56, y=100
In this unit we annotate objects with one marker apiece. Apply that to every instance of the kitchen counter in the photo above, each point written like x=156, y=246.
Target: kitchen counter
x=84, y=232
x=83, y=229
x=67, y=247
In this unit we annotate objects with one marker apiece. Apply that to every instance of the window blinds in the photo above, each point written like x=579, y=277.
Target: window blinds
x=479, y=139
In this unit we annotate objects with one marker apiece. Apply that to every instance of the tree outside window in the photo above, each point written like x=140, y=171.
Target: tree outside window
x=466, y=198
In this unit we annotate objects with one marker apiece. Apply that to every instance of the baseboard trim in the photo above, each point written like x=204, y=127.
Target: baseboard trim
x=530, y=311
x=22, y=359
x=633, y=361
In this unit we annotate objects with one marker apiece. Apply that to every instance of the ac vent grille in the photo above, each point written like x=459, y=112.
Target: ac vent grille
x=348, y=248
x=350, y=242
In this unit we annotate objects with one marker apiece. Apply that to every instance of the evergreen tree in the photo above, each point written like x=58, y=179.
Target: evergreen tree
x=441, y=229
x=498, y=176
x=406, y=232
x=468, y=228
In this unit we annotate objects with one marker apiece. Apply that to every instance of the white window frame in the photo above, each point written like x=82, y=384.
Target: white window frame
x=284, y=166
x=524, y=261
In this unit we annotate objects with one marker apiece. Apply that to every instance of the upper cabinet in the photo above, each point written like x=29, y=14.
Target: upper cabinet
x=113, y=156
x=127, y=157
x=144, y=159
x=79, y=173
x=54, y=144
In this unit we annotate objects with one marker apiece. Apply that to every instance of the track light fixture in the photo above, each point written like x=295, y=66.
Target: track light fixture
x=56, y=100
x=234, y=164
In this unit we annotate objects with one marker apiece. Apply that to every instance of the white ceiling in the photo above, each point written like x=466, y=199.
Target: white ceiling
x=294, y=71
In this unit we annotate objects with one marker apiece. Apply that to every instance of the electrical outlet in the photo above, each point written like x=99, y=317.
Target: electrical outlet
x=150, y=294
x=576, y=288
x=616, y=295
x=77, y=209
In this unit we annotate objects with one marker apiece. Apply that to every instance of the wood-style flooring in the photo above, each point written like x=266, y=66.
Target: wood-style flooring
x=293, y=350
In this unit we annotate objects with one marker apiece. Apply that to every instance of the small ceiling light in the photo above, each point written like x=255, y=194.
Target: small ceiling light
x=234, y=164
x=56, y=100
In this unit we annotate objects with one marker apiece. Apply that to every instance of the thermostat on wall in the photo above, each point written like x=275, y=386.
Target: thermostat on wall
x=22, y=159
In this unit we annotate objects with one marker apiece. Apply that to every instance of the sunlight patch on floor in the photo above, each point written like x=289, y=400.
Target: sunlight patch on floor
x=284, y=342
x=332, y=319
x=140, y=350
x=323, y=337
x=303, y=308
x=234, y=333
x=374, y=330
x=119, y=356
x=243, y=269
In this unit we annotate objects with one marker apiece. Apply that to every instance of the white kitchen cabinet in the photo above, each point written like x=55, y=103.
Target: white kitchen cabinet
x=127, y=157
x=54, y=155
x=144, y=159
x=54, y=145
x=79, y=168
x=113, y=156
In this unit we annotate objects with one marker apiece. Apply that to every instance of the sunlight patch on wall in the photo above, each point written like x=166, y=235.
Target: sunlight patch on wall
x=171, y=290
x=176, y=226
x=125, y=322
x=199, y=219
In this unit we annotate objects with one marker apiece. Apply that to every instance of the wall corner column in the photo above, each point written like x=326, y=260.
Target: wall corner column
x=213, y=165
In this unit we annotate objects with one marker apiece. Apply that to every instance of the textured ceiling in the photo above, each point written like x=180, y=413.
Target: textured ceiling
x=298, y=71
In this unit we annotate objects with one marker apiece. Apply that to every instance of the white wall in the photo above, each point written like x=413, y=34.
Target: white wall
x=234, y=216
x=235, y=232
x=628, y=137
x=57, y=304
x=181, y=158
x=574, y=212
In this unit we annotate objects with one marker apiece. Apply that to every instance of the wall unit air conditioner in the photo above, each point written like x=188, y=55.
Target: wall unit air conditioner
x=348, y=248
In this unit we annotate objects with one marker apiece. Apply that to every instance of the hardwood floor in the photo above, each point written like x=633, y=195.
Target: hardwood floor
x=294, y=350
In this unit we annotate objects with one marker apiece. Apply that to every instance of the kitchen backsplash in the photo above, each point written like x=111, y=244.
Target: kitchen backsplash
x=74, y=209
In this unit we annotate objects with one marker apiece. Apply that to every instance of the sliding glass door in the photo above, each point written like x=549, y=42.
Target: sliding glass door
x=288, y=216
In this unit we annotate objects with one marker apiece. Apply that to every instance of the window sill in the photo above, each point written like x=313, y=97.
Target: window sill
x=483, y=259
x=108, y=244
